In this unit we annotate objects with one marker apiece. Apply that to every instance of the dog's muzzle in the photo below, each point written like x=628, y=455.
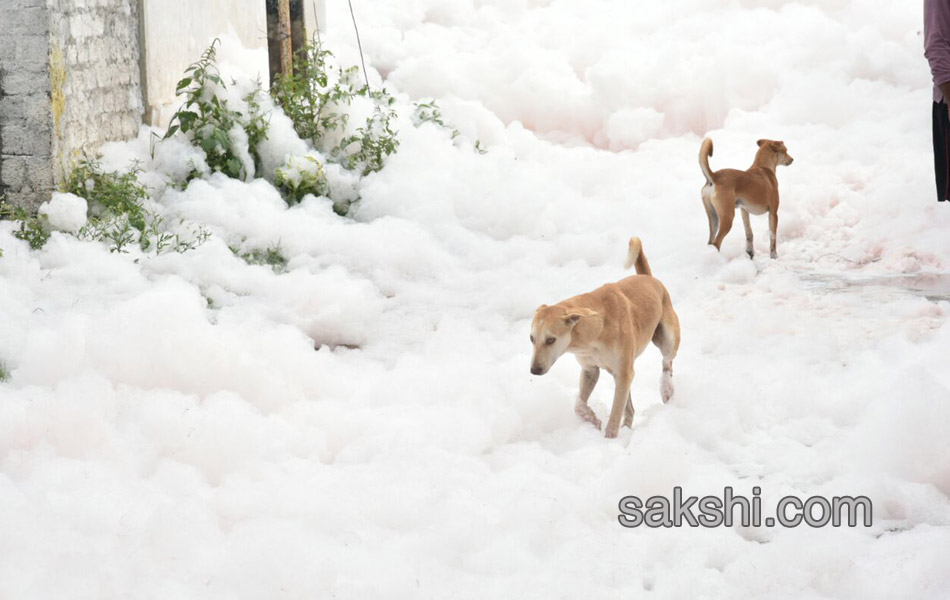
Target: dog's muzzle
x=536, y=370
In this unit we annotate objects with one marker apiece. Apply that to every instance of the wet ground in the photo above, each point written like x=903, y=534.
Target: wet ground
x=933, y=286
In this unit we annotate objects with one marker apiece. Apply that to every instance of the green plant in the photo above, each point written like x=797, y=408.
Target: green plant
x=109, y=193
x=272, y=256
x=34, y=229
x=208, y=121
x=118, y=214
x=429, y=112
x=299, y=176
x=367, y=149
x=114, y=229
x=309, y=98
x=255, y=123
x=165, y=240
x=4, y=371
x=314, y=101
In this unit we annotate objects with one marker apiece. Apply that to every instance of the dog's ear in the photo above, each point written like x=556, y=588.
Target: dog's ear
x=540, y=308
x=777, y=146
x=576, y=314
x=761, y=142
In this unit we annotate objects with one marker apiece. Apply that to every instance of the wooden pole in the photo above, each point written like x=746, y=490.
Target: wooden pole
x=283, y=34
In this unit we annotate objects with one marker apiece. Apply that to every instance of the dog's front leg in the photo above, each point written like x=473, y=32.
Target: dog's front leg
x=622, y=381
x=589, y=377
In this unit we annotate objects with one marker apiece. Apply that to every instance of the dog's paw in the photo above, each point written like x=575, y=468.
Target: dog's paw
x=773, y=254
x=611, y=432
x=666, y=387
x=586, y=413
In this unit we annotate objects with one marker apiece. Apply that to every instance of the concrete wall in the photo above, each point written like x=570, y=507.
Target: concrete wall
x=176, y=32
x=96, y=92
x=75, y=74
x=26, y=124
x=69, y=81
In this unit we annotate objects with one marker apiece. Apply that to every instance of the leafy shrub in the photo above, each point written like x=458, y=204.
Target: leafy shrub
x=308, y=97
x=34, y=229
x=299, y=176
x=118, y=213
x=209, y=122
x=4, y=372
x=109, y=193
x=272, y=256
x=372, y=143
x=313, y=99
x=429, y=112
x=255, y=123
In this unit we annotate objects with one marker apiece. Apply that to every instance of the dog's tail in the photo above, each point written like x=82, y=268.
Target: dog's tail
x=705, y=151
x=635, y=256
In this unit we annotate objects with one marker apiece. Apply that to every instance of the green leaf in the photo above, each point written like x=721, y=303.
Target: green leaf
x=234, y=167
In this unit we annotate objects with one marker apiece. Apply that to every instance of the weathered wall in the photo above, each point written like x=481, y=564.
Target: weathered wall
x=176, y=32
x=72, y=75
x=69, y=81
x=95, y=80
x=26, y=126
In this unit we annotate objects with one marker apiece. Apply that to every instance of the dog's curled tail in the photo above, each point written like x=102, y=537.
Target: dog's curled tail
x=705, y=151
x=635, y=256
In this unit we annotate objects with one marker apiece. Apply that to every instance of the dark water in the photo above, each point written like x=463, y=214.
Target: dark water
x=934, y=286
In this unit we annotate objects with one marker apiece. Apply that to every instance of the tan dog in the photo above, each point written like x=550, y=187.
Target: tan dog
x=754, y=191
x=607, y=329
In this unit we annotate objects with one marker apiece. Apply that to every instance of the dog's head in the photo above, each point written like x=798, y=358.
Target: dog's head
x=778, y=150
x=551, y=333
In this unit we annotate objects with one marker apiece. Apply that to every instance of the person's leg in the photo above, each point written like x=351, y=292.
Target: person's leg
x=941, y=134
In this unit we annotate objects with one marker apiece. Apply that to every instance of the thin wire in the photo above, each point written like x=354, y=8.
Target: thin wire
x=316, y=20
x=358, y=43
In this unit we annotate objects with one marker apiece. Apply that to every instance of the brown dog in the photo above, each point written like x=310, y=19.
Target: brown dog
x=607, y=329
x=754, y=191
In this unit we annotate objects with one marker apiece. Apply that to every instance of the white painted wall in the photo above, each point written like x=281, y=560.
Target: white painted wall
x=176, y=32
x=313, y=19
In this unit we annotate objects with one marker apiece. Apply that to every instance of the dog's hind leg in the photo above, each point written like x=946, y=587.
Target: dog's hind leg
x=589, y=377
x=726, y=212
x=748, y=233
x=622, y=381
x=628, y=412
x=773, y=229
x=667, y=339
x=710, y=213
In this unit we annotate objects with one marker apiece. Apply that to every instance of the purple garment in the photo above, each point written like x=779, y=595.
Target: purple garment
x=937, y=42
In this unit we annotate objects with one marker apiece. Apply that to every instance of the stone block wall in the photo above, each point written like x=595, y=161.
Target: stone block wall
x=96, y=90
x=77, y=73
x=69, y=81
x=26, y=123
